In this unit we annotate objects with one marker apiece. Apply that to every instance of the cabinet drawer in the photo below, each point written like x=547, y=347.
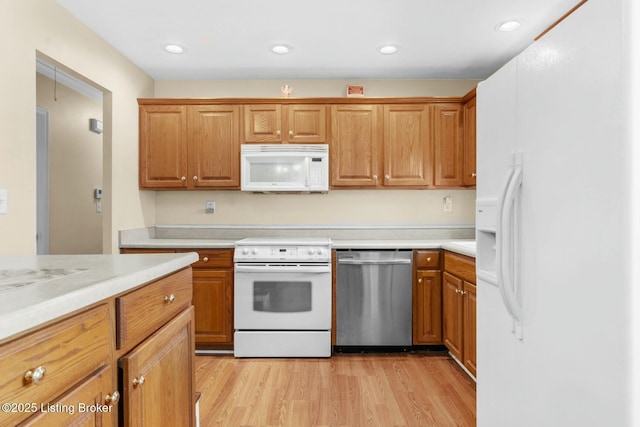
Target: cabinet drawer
x=427, y=259
x=68, y=351
x=213, y=258
x=142, y=312
x=460, y=266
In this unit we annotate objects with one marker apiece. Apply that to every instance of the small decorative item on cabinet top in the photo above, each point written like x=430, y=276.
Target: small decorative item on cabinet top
x=355, y=90
x=286, y=91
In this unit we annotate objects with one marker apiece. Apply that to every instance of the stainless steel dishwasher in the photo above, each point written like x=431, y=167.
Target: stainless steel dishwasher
x=373, y=298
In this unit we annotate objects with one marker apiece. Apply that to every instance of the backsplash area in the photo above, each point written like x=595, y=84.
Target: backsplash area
x=338, y=207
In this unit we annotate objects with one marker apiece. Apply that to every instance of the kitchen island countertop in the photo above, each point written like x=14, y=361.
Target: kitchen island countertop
x=40, y=288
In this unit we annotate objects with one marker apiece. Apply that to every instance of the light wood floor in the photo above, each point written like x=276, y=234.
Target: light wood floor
x=404, y=389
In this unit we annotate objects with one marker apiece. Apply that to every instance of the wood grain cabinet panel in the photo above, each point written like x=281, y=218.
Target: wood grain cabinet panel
x=66, y=353
x=459, y=308
x=427, y=298
x=189, y=147
x=214, y=146
x=158, y=377
x=407, y=146
x=291, y=123
x=163, y=146
x=160, y=301
x=469, y=136
x=96, y=392
x=448, y=143
x=355, y=149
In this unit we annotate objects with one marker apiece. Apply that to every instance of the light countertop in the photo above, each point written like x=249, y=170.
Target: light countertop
x=37, y=289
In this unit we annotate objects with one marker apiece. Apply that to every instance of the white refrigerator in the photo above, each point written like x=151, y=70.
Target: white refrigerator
x=558, y=227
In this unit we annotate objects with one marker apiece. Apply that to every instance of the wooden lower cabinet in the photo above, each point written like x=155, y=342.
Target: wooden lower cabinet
x=213, y=301
x=212, y=295
x=89, y=404
x=158, y=377
x=459, y=308
x=427, y=298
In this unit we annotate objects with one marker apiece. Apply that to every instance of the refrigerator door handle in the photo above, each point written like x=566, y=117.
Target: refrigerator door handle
x=511, y=256
x=506, y=245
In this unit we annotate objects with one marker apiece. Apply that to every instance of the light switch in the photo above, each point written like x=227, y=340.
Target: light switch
x=448, y=204
x=3, y=201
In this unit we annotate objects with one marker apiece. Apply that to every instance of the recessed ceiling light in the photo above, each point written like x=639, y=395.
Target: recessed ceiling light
x=174, y=48
x=281, y=49
x=388, y=50
x=507, y=26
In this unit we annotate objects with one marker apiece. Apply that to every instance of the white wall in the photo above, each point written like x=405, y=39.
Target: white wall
x=42, y=27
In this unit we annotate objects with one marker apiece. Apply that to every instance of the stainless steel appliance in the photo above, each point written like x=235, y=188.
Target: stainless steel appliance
x=282, y=297
x=373, y=298
x=284, y=168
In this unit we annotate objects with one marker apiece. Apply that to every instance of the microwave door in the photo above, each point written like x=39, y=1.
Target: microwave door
x=281, y=173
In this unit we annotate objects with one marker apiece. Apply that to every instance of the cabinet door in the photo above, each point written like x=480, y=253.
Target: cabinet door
x=470, y=142
x=452, y=318
x=163, y=146
x=407, y=146
x=78, y=406
x=427, y=311
x=158, y=377
x=306, y=124
x=356, y=154
x=214, y=146
x=263, y=123
x=469, y=350
x=447, y=131
x=213, y=302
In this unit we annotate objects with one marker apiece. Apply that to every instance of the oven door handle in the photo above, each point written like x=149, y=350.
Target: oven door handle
x=282, y=269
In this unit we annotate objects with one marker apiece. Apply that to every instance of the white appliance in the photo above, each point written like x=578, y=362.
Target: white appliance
x=558, y=220
x=282, y=297
x=284, y=168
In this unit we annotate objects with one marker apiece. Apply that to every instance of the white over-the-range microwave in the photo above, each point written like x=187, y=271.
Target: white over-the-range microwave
x=284, y=168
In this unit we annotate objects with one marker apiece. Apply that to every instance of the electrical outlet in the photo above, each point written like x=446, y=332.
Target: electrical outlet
x=448, y=204
x=210, y=207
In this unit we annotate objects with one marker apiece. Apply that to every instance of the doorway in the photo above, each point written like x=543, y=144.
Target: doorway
x=69, y=163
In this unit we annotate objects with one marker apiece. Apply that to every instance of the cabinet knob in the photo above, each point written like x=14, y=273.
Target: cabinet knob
x=112, y=399
x=290, y=133
x=169, y=299
x=387, y=177
x=139, y=381
x=428, y=259
x=184, y=178
x=36, y=375
x=195, y=177
x=278, y=132
x=473, y=174
x=419, y=280
x=205, y=259
x=375, y=177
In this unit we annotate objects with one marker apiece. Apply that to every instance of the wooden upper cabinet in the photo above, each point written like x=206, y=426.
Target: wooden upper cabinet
x=163, y=146
x=275, y=123
x=407, y=146
x=189, y=147
x=355, y=149
x=470, y=141
x=214, y=146
x=448, y=143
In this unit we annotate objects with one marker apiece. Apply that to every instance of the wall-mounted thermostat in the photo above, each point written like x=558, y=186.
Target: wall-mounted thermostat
x=95, y=125
x=97, y=193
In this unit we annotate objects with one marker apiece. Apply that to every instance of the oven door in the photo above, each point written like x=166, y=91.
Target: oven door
x=282, y=297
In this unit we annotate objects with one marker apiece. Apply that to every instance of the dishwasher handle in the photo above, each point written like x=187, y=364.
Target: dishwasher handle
x=374, y=261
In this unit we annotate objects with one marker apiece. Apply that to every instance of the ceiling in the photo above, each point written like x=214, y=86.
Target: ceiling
x=232, y=39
